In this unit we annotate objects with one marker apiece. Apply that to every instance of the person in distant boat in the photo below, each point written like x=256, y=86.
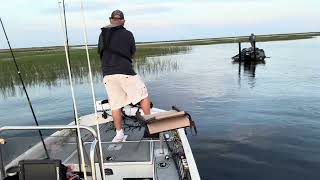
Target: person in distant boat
x=252, y=40
x=117, y=47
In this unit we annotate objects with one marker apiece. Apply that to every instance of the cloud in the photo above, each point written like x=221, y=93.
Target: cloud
x=163, y=20
x=75, y=6
x=153, y=8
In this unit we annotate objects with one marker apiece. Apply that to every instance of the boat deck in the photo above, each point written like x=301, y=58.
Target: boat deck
x=138, y=157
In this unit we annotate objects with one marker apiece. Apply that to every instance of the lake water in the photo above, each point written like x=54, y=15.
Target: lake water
x=261, y=123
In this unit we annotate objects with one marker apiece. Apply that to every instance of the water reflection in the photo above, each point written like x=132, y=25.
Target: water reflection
x=249, y=70
x=48, y=67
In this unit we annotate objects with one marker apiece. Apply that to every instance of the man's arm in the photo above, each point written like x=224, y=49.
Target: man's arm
x=133, y=46
x=100, y=45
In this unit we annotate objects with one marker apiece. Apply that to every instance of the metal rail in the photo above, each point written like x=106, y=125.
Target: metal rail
x=51, y=127
x=57, y=127
x=92, y=150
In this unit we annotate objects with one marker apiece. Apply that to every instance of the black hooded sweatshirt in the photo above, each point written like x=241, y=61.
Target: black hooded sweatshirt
x=116, y=48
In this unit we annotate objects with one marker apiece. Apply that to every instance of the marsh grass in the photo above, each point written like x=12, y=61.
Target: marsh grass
x=225, y=40
x=46, y=67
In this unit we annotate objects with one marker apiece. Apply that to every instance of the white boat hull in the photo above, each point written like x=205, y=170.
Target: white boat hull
x=136, y=158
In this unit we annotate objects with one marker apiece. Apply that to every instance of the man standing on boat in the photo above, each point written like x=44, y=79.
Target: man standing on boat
x=117, y=48
x=252, y=40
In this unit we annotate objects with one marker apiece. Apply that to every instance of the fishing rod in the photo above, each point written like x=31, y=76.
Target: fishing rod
x=66, y=47
x=25, y=90
x=92, y=91
x=68, y=54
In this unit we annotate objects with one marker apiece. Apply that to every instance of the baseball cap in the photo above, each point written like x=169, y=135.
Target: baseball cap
x=117, y=13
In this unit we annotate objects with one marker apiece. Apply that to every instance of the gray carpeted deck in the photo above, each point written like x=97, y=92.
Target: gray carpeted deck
x=130, y=152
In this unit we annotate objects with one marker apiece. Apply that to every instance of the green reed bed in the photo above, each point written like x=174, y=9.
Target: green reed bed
x=49, y=66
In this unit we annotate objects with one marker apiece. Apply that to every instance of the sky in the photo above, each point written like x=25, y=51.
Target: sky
x=34, y=23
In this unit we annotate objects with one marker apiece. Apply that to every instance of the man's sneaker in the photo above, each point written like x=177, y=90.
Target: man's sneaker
x=119, y=138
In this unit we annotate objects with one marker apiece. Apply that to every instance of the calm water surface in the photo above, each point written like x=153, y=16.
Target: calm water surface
x=261, y=123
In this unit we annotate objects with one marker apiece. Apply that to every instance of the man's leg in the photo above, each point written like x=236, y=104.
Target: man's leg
x=145, y=105
x=116, y=115
x=136, y=89
x=117, y=98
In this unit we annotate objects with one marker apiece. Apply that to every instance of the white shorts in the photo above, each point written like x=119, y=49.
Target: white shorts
x=124, y=89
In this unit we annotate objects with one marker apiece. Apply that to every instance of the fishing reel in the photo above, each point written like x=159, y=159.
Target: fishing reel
x=104, y=112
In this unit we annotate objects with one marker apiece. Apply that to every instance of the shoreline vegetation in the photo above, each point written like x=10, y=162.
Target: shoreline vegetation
x=192, y=42
x=46, y=66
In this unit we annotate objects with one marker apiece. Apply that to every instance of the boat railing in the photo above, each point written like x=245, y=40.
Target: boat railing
x=92, y=155
x=55, y=127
